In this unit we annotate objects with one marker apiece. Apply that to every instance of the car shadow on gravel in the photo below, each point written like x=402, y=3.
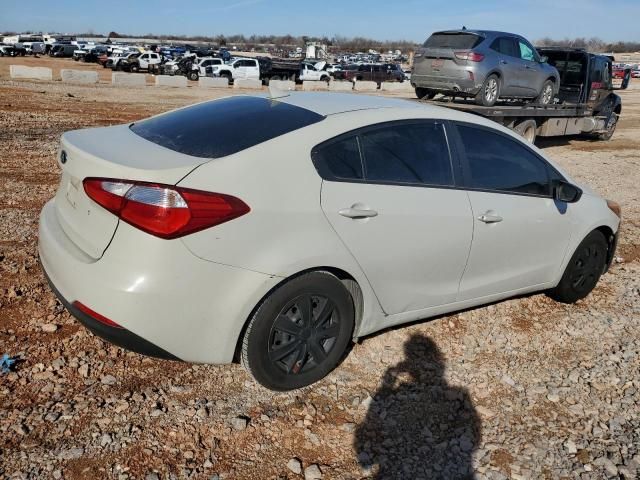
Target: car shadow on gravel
x=417, y=425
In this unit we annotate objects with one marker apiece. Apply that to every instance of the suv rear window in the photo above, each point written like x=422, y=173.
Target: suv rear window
x=223, y=127
x=453, y=40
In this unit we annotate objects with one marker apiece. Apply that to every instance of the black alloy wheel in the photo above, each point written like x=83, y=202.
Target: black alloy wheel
x=584, y=269
x=299, y=332
x=304, y=333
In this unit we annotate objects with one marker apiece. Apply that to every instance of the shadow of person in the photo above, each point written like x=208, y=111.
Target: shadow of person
x=417, y=426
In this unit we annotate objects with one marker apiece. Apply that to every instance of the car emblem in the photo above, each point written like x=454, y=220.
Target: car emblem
x=63, y=157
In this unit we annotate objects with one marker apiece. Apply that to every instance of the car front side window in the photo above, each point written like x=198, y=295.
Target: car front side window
x=526, y=52
x=498, y=163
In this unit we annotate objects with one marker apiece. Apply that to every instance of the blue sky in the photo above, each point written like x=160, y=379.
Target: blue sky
x=380, y=19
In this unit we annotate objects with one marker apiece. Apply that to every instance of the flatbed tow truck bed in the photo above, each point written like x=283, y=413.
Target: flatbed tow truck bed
x=518, y=110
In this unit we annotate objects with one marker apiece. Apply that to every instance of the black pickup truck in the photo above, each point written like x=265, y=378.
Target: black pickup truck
x=585, y=104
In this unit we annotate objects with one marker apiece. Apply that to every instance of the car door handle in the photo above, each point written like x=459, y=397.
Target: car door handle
x=504, y=62
x=356, y=213
x=490, y=218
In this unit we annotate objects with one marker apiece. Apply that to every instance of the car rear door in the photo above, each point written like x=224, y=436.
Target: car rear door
x=388, y=193
x=508, y=63
x=520, y=233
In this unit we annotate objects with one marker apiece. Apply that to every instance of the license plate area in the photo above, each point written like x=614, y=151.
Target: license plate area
x=437, y=63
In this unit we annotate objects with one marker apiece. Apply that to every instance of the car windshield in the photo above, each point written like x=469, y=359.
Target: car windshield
x=452, y=40
x=223, y=127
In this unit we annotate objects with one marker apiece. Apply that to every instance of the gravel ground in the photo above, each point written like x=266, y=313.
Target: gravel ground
x=526, y=388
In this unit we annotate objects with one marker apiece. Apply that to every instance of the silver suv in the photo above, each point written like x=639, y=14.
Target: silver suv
x=485, y=65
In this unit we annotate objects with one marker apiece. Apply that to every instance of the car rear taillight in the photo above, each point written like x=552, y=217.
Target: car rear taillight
x=469, y=55
x=165, y=211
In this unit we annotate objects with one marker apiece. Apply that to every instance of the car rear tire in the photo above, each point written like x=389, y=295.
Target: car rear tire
x=193, y=76
x=299, y=333
x=425, y=93
x=490, y=91
x=583, y=270
x=528, y=130
x=546, y=94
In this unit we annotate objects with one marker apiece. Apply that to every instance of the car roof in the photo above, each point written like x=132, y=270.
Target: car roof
x=484, y=33
x=331, y=103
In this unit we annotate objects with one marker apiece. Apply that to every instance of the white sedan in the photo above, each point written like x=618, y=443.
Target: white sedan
x=274, y=231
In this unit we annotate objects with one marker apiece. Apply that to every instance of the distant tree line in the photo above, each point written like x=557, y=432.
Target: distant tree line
x=354, y=44
x=593, y=44
x=337, y=42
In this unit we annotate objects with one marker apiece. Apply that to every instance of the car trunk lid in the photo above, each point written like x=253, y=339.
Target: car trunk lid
x=109, y=152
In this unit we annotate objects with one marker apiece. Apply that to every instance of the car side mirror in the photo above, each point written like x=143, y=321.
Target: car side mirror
x=544, y=59
x=566, y=192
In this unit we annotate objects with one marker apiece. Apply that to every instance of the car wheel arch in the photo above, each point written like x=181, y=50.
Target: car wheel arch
x=348, y=280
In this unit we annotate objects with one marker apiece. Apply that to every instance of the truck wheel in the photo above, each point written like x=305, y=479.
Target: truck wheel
x=490, y=91
x=528, y=129
x=134, y=69
x=192, y=76
x=425, y=93
x=546, y=94
x=611, y=128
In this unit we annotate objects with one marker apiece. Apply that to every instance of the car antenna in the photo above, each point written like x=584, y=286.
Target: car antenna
x=275, y=92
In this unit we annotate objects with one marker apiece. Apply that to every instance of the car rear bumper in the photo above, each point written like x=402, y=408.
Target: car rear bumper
x=171, y=303
x=117, y=336
x=446, y=84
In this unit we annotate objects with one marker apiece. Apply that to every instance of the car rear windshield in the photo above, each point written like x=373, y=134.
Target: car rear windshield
x=223, y=127
x=453, y=40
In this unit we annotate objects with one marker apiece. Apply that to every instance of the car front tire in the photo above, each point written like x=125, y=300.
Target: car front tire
x=300, y=332
x=583, y=271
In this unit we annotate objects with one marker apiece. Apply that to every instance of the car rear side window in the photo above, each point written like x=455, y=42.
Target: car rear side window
x=498, y=163
x=415, y=153
x=223, y=127
x=339, y=159
x=453, y=40
x=506, y=46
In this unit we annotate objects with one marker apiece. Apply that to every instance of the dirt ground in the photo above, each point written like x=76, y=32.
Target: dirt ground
x=526, y=388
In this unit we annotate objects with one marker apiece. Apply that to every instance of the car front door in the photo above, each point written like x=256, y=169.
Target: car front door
x=387, y=192
x=520, y=233
x=532, y=74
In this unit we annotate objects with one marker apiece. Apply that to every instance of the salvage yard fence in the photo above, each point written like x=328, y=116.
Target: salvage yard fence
x=140, y=80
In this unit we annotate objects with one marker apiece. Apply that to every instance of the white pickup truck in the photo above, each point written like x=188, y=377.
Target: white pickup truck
x=266, y=69
x=236, y=69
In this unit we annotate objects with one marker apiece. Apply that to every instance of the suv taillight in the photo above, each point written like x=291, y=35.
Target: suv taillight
x=165, y=211
x=469, y=55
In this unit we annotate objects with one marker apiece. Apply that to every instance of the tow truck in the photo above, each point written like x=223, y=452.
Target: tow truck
x=586, y=103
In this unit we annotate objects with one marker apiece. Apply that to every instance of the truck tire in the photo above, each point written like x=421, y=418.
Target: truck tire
x=425, y=93
x=134, y=69
x=611, y=128
x=527, y=129
x=193, y=75
x=546, y=94
x=490, y=91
